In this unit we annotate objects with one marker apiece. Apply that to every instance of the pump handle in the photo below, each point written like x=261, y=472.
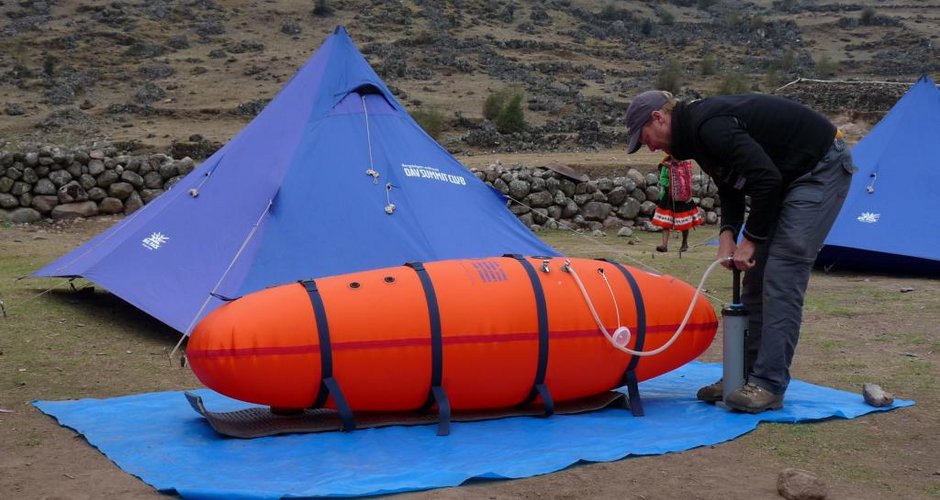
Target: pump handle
x=736, y=286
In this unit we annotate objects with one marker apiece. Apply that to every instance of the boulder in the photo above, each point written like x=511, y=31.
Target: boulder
x=629, y=209
x=110, y=206
x=625, y=232
x=75, y=210
x=570, y=209
x=120, y=190
x=96, y=167
x=132, y=203
x=518, y=189
x=539, y=199
x=874, y=395
x=153, y=180
x=595, y=211
x=24, y=216
x=72, y=192
x=185, y=166
x=97, y=194
x=798, y=484
x=634, y=175
x=132, y=178
x=617, y=196
x=44, y=203
x=148, y=195
x=20, y=188
x=107, y=178
x=8, y=201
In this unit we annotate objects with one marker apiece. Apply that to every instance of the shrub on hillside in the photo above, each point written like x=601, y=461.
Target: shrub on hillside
x=708, y=64
x=321, y=9
x=511, y=119
x=825, y=67
x=733, y=83
x=431, y=119
x=666, y=18
x=670, y=77
x=610, y=12
x=493, y=105
x=504, y=109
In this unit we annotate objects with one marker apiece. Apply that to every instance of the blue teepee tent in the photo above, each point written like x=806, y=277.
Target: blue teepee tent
x=889, y=221
x=332, y=177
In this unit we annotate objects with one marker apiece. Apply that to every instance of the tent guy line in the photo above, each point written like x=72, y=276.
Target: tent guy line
x=215, y=289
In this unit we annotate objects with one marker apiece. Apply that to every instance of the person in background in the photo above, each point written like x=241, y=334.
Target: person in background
x=674, y=209
x=796, y=169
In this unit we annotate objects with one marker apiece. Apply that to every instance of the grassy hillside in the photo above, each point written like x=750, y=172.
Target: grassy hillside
x=147, y=74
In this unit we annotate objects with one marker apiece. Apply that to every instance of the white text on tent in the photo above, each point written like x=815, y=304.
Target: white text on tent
x=432, y=173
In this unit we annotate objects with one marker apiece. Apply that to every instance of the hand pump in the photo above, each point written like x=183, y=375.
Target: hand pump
x=734, y=328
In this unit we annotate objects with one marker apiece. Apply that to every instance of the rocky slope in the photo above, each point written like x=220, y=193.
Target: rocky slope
x=183, y=76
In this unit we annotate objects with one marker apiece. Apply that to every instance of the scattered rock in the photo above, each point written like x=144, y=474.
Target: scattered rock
x=290, y=27
x=149, y=93
x=798, y=484
x=876, y=396
x=178, y=42
x=625, y=232
x=14, y=109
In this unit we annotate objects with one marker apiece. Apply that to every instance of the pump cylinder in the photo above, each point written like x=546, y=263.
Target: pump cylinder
x=734, y=328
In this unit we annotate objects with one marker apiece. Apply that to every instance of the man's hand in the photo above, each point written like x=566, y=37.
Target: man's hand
x=726, y=248
x=744, y=255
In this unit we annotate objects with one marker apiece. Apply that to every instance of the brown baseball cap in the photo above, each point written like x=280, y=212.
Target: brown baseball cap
x=639, y=113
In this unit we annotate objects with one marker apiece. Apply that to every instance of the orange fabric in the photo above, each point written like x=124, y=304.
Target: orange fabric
x=264, y=347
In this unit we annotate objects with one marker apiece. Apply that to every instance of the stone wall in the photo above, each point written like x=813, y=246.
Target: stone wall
x=543, y=198
x=59, y=183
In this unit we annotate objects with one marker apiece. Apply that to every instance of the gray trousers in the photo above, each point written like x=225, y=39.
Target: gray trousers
x=774, y=289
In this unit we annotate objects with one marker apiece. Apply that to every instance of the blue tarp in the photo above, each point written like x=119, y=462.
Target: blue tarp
x=889, y=221
x=289, y=198
x=160, y=439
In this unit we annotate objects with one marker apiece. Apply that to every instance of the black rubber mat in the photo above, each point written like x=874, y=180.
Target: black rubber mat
x=259, y=422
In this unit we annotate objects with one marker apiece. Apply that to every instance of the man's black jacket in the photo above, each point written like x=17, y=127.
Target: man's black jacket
x=753, y=145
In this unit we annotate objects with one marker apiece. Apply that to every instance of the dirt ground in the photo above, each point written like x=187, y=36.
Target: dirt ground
x=858, y=328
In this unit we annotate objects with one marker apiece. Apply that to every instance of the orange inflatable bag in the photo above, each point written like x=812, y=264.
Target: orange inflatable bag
x=470, y=334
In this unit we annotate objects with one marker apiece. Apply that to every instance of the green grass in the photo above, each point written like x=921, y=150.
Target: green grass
x=62, y=345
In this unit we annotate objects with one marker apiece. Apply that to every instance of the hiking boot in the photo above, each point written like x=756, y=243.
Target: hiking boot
x=753, y=398
x=711, y=393
x=662, y=249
